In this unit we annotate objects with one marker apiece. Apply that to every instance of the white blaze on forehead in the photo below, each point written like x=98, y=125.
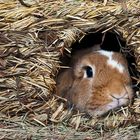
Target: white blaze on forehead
x=106, y=53
x=111, y=61
x=116, y=65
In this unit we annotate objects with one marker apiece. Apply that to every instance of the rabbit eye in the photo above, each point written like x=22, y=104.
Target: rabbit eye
x=89, y=72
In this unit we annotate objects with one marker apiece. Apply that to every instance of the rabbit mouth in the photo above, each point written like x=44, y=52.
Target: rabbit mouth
x=116, y=102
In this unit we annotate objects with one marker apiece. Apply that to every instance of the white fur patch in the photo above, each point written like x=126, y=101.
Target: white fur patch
x=111, y=61
x=116, y=65
x=106, y=53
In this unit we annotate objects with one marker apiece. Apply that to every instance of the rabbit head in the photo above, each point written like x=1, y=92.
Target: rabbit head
x=97, y=81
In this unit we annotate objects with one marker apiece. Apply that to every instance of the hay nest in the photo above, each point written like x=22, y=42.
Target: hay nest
x=33, y=36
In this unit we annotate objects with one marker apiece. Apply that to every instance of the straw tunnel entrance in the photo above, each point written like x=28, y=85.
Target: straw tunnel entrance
x=110, y=42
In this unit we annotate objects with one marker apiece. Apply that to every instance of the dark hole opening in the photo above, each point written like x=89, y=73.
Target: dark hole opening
x=111, y=42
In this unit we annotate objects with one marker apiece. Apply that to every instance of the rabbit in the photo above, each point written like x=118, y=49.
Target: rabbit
x=96, y=82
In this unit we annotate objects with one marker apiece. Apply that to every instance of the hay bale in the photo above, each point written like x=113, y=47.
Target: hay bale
x=33, y=36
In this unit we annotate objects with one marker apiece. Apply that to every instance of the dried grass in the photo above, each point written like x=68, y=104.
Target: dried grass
x=33, y=35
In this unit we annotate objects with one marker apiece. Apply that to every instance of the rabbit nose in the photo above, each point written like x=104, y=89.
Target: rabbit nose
x=118, y=97
x=121, y=99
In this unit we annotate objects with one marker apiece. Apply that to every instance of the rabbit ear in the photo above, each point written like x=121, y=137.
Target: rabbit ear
x=96, y=47
x=64, y=83
x=78, y=54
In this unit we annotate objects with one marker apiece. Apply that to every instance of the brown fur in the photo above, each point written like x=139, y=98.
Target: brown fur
x=94, y=95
